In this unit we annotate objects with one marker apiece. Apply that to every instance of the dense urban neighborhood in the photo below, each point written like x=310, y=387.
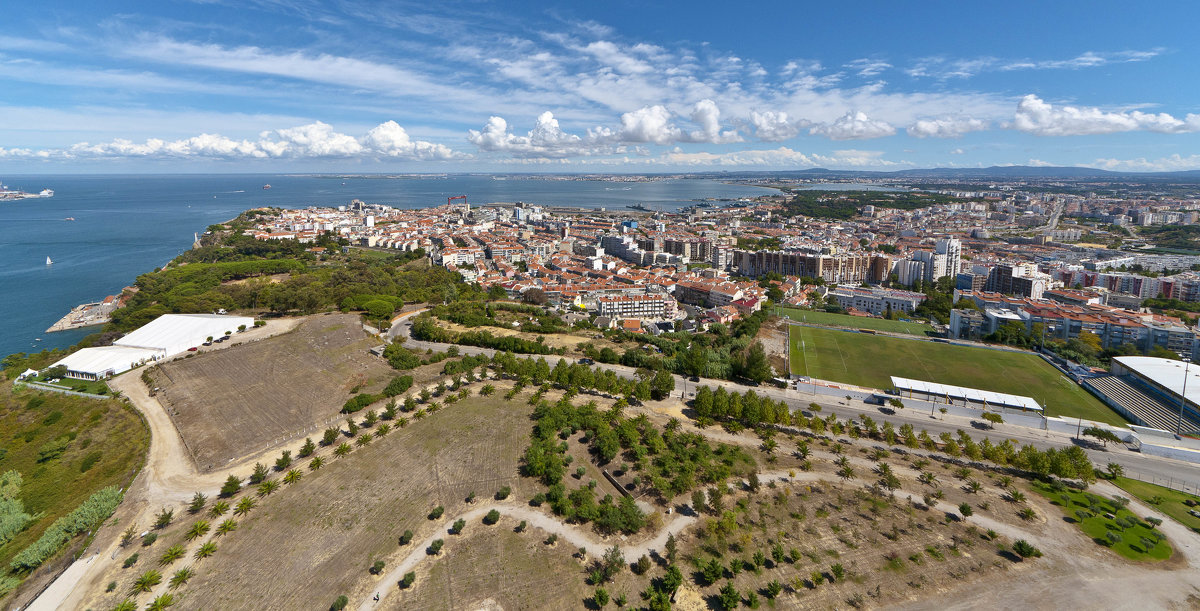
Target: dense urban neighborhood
x=633, y=395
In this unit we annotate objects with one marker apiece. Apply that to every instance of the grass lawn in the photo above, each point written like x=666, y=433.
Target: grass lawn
x=857, y=322
x=100, y=443
x=95, y=387
x=1172, y=500
x=1087, y=510
x=870, y=360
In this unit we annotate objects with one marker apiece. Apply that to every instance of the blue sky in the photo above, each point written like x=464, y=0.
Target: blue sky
x=615, y=86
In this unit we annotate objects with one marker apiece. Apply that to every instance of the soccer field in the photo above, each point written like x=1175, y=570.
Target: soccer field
x=856, y=322
x=870, y=360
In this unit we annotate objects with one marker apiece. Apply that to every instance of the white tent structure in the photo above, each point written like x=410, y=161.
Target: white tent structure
x=164, y=337
x=984, y=398
x=175, y=333
x=99, y=363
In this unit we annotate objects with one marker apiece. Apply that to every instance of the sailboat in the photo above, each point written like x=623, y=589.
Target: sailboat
x=49, y=262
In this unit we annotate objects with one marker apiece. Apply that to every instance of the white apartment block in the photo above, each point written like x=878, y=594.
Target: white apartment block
x=652, y=306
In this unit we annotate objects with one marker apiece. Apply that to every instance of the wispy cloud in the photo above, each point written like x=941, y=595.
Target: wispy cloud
x=951, y=68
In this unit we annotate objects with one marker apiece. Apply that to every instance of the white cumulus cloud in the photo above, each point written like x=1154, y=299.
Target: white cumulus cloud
x=853, y=126
x=1037, y=116
x=775, y=126
x=546, y=139
x=945, y=127
x=312, y=141
x=650, y=124
x=708, y=117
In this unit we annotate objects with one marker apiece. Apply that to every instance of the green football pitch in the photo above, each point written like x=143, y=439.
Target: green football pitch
x=816, y=317
x=870, y=360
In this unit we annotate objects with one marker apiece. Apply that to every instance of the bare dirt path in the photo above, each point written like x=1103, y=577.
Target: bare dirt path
x=168, y=477
x=569, y=534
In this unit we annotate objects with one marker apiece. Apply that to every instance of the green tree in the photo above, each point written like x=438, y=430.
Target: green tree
x=729, y=597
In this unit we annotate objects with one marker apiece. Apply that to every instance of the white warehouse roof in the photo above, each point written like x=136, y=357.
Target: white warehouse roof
x=175, y=333
x=971, y=394
x=107, y=360
x=163, y=337
x=1166, y=373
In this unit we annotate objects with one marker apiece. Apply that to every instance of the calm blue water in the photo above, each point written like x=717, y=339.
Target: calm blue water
x=128, y=225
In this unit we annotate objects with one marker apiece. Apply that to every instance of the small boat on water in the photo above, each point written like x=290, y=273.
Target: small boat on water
x=266, y=186
x=49, y=262
x=69, y=218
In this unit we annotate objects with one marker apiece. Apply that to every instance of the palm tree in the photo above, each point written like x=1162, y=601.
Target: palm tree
x=162, y=602
x=227, y=527
x=126, y=605
x=929, y=478
x=219, y=509
x=181, y=577
x=199, y=529
x=244, y=506
x=343, y=449
x=316, y=463
x=147, y=581
x=1016, y=496
x=293, y=476
x=846, y=473
x=770, y=445
x=267, y=487
x=171, y=554
x=206, y=550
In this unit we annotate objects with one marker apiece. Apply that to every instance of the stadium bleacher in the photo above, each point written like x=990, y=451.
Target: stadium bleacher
x=1146, y=410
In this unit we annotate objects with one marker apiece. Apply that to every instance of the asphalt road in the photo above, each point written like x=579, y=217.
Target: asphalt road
x=833, y=400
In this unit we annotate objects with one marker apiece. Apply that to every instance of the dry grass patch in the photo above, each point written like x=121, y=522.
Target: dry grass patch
x=316, y=539
x=230, y=403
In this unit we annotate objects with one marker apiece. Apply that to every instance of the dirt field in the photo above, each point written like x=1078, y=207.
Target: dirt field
x=230, y=403
x=554, y=340
x=498, y=569
x=315, y=539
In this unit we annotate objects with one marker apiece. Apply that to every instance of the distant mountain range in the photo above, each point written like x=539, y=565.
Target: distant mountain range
x=997, y=172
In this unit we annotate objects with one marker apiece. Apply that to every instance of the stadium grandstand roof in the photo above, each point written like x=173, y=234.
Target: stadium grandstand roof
x=988, y=397
x=1166, y=373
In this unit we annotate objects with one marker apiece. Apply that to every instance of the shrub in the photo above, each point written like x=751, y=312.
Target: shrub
x=231, y=486
x=406, y=537
x=435, y=548
x=398, y=385
x=458, y=526
x=437, y=512
x=408, y=580
x=87, y=516
x=149, y=539
x=130, y=561
x=53, y=449
x=492, y=517
x=358, y=402
x=90, y=461
x=339, y=603
x=1025, y=549
x=503, y=493
x=377, y=568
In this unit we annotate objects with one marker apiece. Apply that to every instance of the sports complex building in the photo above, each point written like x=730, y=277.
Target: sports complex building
x=1150, y=392
x=164, y=337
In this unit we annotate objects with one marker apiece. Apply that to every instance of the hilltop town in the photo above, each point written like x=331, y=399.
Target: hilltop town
x=1057, y=263
x=817, y=398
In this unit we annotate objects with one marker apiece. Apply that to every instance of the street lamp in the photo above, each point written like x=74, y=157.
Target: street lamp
x=1187, y=361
